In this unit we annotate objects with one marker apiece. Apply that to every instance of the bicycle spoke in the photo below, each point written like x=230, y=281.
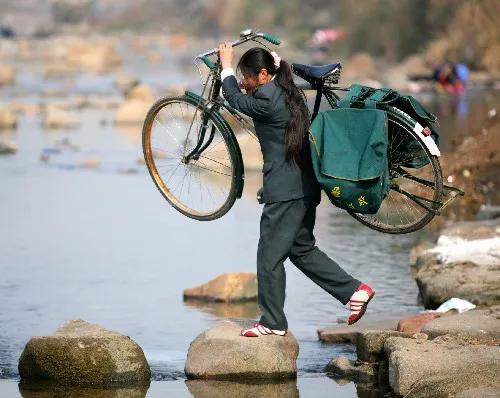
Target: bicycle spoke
x=413, y=196
x=199, y=185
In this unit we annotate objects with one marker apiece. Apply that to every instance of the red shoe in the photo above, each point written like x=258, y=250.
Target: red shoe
x=258, y=330
x=358, y=302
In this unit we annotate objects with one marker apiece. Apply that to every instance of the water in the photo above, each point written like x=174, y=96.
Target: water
x=103, y=245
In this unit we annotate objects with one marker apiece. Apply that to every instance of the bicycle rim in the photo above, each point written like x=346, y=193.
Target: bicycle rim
x=202, y=188
x=415, y=182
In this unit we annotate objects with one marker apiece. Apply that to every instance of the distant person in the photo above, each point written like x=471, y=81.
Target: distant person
x=290, y=190
x=321, y=41
x=451, y=78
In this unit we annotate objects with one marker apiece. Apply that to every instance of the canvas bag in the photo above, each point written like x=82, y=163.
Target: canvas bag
x=349, y=156
x=360, y=96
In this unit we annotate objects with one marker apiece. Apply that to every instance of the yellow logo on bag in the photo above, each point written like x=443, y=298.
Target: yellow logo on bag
x=335, y=191
x=350, y=206
x=362, y=201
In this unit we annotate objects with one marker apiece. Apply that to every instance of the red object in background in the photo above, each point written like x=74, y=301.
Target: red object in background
x=326, y=36
x=426, y=131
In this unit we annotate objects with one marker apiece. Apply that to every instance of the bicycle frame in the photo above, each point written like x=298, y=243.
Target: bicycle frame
x=215, y=103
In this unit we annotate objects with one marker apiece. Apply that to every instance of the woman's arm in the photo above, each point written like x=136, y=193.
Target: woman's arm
x=256, y=106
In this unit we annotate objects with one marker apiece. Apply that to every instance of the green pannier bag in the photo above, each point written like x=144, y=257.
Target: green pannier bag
x=349, y=157
x=360, y=96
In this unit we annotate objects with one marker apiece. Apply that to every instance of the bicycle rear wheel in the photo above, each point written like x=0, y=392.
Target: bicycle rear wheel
x=204, y=186
x=416, y=182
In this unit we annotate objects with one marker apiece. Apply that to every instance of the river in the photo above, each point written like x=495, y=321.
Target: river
x=101, y=244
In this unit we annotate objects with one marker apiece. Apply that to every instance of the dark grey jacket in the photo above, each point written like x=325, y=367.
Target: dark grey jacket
x=267, y=107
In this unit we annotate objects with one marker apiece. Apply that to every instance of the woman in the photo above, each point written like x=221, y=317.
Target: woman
x=290, y=190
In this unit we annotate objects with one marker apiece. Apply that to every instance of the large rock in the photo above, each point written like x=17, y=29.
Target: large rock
x=465, y=264
x=84, y=354
x=472, y=230
x=57, y=118
x=349, y=334
x=478, y=326
x=414, y=363
x=353, y=370
x=370, y=344
x=132, y=112
x=466, y=280
x=7, y=75
x=228, y=287
x=7, y=148
x=125, y=83
x=8, y=119
x=482, y=392
x=141, y=92
x=222, y=353
x=488, y=212
x=136, y=106
x=93, y=56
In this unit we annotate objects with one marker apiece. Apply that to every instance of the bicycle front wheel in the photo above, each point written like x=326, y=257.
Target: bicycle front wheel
x=202, y=186
x=416, y=182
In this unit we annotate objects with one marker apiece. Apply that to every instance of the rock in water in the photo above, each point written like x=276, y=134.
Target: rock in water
x=353, y=370
x=370, y=344
x=136, y=106
x=56, y=117
x=464, y=264
x=132, y=112
x=8, y=119
x=222, y=353
x=84, y=354
x=7, y=75
x=7, y=148
x=228, y=287
x=476, y=326
x=444, y=364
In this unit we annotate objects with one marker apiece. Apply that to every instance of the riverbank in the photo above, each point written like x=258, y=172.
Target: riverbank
x=452, y=351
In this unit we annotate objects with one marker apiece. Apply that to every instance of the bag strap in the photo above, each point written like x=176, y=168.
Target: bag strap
x=354, y=92
x=380, y=95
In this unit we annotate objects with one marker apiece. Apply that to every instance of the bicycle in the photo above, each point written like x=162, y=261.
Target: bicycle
x=194, y=159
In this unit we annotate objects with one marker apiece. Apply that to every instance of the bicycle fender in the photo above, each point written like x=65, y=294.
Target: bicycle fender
x=241, y=181
x=427, y=140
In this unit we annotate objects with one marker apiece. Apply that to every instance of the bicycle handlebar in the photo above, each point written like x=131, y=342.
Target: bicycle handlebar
x=246, y=35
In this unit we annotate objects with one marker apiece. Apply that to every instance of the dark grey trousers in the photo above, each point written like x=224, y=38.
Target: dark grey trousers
x=286, y=230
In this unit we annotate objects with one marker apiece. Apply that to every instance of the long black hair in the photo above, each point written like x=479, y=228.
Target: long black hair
x=296, y=136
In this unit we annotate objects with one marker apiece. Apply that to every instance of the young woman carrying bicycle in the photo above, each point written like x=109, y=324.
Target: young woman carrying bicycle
x=290, y=190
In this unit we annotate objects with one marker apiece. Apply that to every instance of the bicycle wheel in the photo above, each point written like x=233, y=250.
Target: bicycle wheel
x=416, y=181
x=205, y=186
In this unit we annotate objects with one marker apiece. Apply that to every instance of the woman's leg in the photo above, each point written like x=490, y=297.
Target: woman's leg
x=315, y=264
x=279, y=225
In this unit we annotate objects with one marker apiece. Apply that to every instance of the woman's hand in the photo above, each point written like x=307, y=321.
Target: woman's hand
x=226, y=54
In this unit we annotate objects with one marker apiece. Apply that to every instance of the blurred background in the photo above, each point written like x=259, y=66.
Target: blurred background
x=85, y=234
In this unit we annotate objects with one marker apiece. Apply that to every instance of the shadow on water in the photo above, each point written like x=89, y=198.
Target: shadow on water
x=229, y=389
x=312, y=386
x=44, y=390
x=246, y=310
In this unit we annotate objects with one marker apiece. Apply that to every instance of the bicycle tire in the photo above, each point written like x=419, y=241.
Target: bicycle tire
x=397, y=116
x=230, y=141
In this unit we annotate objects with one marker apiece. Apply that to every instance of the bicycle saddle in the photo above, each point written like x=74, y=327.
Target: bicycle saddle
x=311, y=73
